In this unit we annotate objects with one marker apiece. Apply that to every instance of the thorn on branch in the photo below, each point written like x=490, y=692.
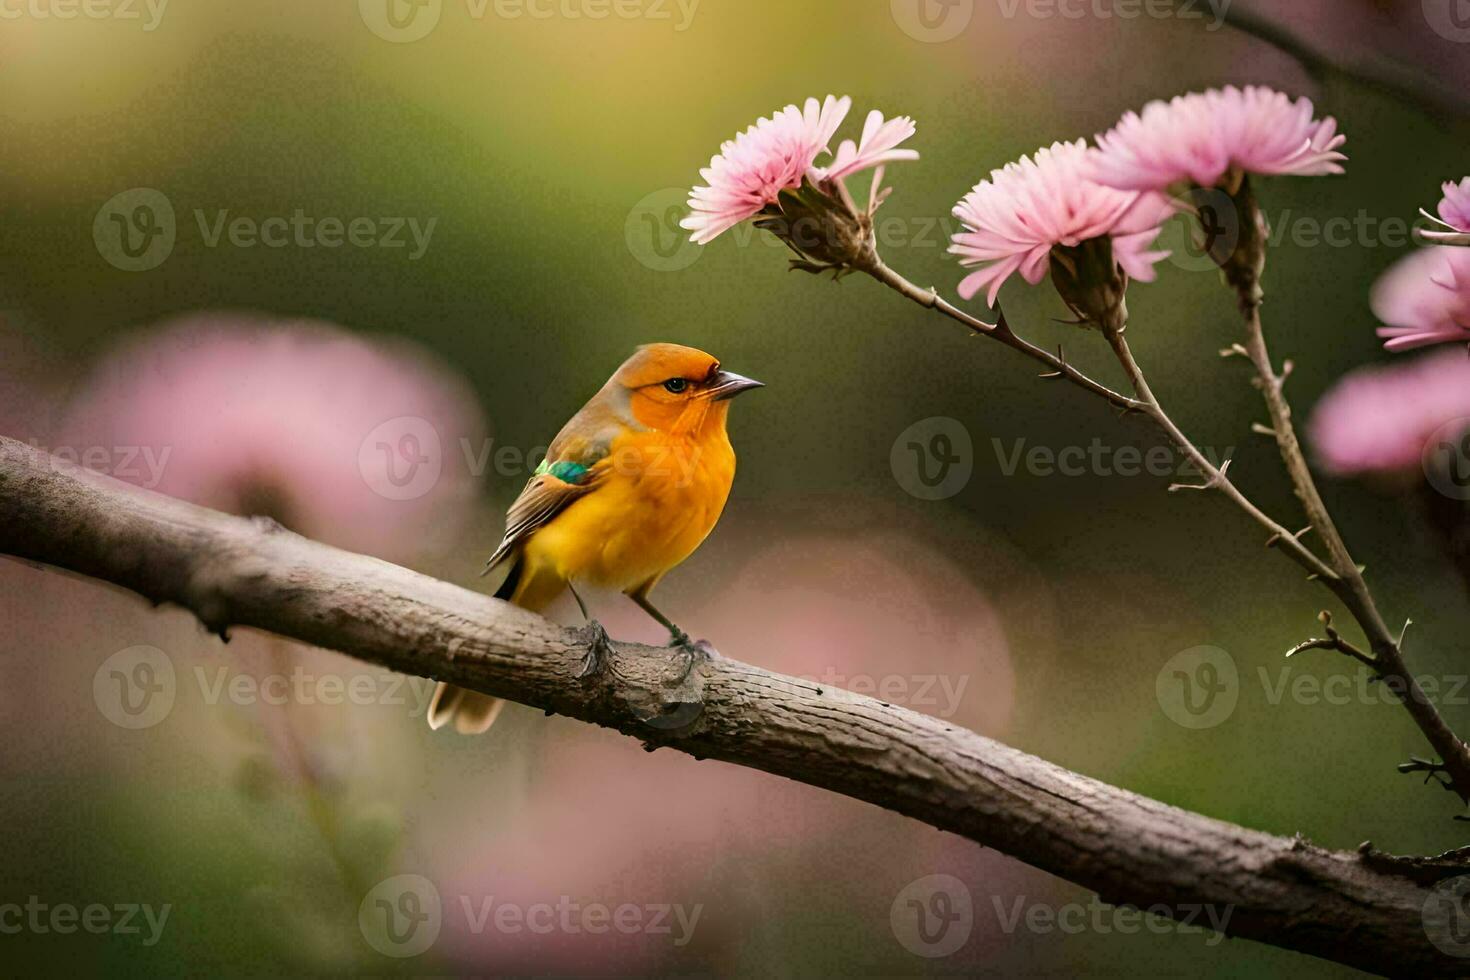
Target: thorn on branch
x=1335, y=641
x=1276, y=539
x=1061, y=371
x=1234, y=350
x=1263, y=430
x=1437, y=772
x=1212, y=484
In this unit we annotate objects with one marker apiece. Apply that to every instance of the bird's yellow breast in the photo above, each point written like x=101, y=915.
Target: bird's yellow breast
x=656, y=501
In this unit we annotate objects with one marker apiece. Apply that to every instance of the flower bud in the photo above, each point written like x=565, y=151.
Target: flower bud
x=1091, y=283
x=1246, y=259
x=820, y=223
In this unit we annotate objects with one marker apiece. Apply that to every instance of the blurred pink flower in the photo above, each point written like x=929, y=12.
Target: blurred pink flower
x=1454, y=210
x=1206, y=137
x=877, y=612
x=1022, y=211
x=778, y=153
x=341, y=439
x=1376, y=420
x=1425, y=299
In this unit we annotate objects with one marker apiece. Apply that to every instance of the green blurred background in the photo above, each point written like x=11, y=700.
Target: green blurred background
x=550, y=151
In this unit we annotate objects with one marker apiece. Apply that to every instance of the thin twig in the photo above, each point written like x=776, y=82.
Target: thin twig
x=1336, y=641
x=1001, y=331
x=1340, y=574
x=1349, y=584
x=1409, y=83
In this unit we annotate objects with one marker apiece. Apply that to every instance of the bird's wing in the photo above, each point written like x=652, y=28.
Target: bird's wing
x=573, y=466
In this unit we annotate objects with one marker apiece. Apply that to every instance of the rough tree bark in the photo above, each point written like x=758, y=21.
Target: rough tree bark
x=1363, y=908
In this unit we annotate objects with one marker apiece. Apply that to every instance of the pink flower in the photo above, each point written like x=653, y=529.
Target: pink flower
x=1425, y=299
x=1454, y=215
x=877, y=147
x=340, y=439
x=1454, y=210
x=776, y=154
x=1203, y=137
x=1378, y=419
x=1016, y=217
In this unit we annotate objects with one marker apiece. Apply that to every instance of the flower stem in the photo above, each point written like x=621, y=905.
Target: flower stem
x=1349, y=585
x=1216, y=477
x=1340, y=574
x=1000, y=331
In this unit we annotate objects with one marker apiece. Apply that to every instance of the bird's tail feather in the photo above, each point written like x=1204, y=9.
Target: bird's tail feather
x=507, y=588
x=471, y=712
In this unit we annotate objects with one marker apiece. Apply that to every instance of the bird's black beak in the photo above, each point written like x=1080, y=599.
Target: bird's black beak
x=728, y=384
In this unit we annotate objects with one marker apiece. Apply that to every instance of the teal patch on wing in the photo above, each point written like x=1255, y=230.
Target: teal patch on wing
x=566, y=471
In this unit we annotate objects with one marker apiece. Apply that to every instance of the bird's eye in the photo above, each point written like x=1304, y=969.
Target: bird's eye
x=676, y=385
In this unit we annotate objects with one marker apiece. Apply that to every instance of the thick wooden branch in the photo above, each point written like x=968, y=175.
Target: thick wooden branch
x=1364, y=909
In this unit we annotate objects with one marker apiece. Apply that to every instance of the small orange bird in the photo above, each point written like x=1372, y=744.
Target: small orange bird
x=629, y=488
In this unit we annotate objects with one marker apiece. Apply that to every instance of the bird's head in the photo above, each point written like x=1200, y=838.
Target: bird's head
x=673, y=388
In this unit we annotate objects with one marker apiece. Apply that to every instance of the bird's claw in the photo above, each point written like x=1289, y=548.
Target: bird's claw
x=693, y=650
x=599, y=647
